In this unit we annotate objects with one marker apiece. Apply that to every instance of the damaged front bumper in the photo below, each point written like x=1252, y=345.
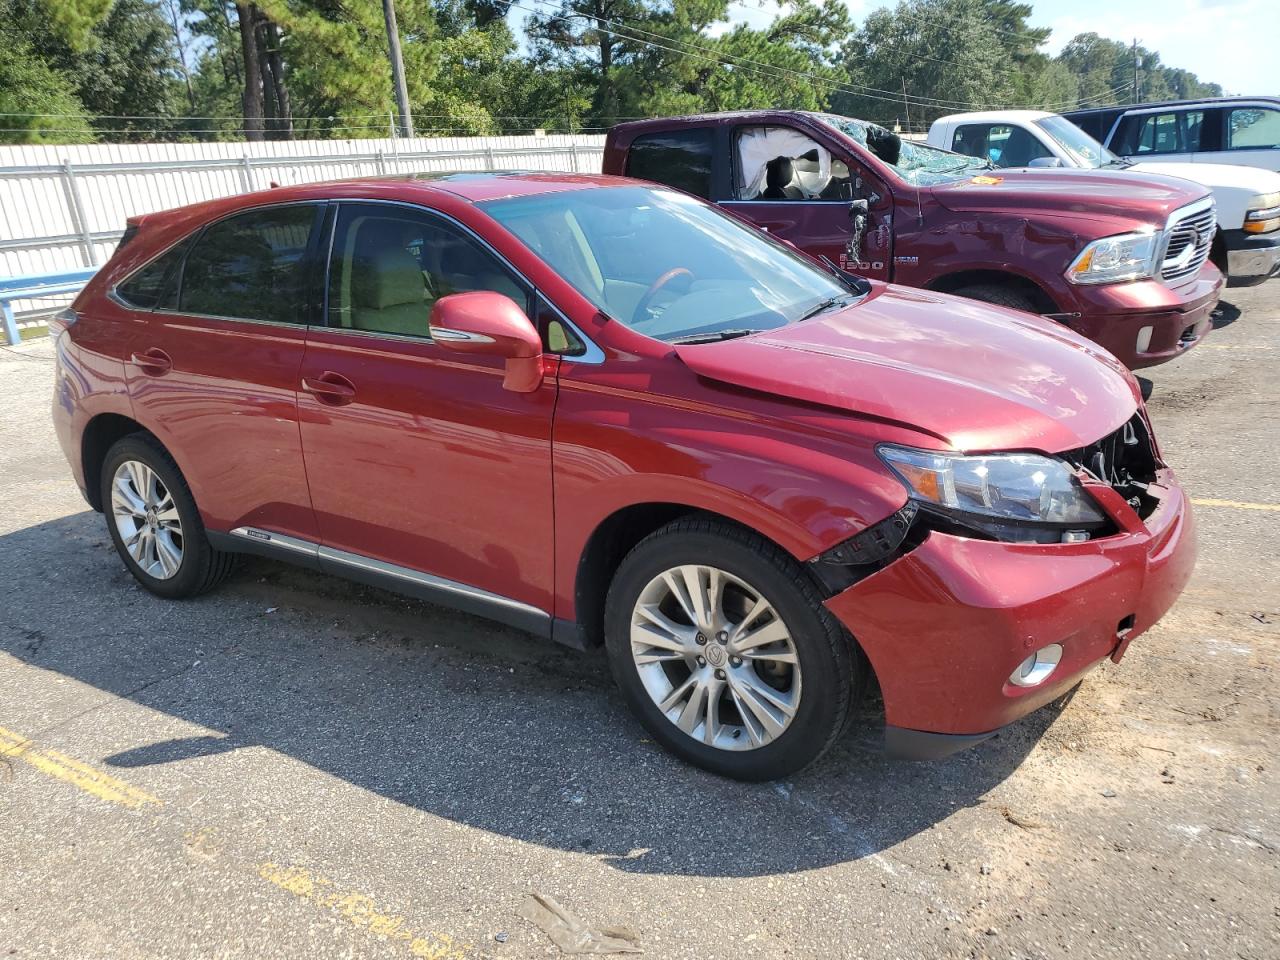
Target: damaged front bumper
x=946, y=625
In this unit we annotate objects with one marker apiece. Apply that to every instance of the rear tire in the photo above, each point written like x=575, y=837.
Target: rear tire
x=771, y=675
x=154, y=523
x=1000, y=296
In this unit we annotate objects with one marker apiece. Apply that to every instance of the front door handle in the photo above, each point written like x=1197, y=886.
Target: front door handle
x=331, y=388
x=154, y=361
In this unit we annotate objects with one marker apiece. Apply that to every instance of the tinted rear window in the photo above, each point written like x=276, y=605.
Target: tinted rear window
x=250, y=266
x=678, y=158
x=153, y=285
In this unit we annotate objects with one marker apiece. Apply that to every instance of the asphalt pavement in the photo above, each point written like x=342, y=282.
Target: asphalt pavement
x=295, y=766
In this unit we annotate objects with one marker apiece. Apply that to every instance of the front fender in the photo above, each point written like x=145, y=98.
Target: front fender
x=806, y=482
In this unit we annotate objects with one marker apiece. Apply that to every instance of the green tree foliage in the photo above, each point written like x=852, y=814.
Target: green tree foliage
x=120, y=68
x=797, y=58
x=642, y=58
x=943, y=52
x=205, y=69
x=1105, y=72
x=35, y=99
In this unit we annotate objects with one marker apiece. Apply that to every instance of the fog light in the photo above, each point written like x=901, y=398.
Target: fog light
x=1144, y=338
x=1035, y=670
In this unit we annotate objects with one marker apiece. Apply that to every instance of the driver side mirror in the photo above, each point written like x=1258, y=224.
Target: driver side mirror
x=1045, y=162
x=490, y=324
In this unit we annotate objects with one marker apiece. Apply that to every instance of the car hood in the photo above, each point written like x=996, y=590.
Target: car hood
x=1217, y=176
x=1147, y=197
x=975, y=376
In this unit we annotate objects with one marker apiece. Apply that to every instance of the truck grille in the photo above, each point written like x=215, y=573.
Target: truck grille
x=1190, y=236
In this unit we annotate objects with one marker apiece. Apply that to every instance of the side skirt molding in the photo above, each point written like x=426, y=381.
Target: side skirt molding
x=387, y=576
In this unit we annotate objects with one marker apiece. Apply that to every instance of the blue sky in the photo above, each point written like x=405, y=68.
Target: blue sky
x=1230, y=42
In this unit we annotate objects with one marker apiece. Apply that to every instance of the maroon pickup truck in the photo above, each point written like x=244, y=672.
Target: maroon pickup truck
x=1122, y=259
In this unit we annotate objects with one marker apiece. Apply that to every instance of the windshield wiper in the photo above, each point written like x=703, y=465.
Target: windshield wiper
x=829, y=304
x=857, y=284
x=714, y=337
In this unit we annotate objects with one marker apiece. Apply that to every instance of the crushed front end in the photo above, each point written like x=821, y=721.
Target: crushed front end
x=970, y=625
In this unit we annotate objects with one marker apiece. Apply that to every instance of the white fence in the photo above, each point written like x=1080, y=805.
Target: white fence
x=64, y=207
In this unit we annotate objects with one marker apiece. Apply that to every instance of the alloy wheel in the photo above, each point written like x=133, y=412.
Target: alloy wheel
x=146, y=519
x=715, y=657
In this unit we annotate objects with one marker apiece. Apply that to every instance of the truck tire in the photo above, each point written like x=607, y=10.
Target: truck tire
x=722, y=648
x=1000, y=296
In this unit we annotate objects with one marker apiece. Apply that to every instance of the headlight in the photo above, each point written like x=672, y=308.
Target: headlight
x=1129, y=256
x=1022, y=488
x=1264, y=213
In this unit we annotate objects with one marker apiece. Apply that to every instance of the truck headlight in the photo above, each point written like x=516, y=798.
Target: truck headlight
x=1011, y=496
x=1263, y=215
x=1128, y=256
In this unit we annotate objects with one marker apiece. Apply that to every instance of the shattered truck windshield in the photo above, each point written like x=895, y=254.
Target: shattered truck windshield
x=918, y=164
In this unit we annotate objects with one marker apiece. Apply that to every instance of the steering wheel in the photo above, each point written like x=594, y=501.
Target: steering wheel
x=643, y=306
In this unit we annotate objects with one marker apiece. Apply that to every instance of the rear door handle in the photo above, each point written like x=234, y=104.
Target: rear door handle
x=331, y=388
x=154, y=361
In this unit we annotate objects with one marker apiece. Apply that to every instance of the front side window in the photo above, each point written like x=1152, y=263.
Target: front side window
x=971, y=139
x=155, y=284
x=667, y=265
x=1001, y=144
x=391, y=264
x=251, y=266
x=778, y=163
x=917, y=164
x=1253, y=128
x=678, y=158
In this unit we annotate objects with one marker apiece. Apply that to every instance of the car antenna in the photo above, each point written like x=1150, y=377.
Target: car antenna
x=907, y=107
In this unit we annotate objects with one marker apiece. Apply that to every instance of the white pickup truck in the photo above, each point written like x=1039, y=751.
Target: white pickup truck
x=1247, y=245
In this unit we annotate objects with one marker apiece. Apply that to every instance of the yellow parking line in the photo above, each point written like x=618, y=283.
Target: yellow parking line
x=1234, y=504
x=70, y=770
x=356, y=908
x=361, y=911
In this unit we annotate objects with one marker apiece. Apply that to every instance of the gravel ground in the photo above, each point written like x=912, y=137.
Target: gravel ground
x=297, y=767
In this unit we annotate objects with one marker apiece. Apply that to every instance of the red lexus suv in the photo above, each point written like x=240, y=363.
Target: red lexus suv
x=608, y=413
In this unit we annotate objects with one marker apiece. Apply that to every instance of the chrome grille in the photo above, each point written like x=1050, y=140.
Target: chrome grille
x=1190, y=236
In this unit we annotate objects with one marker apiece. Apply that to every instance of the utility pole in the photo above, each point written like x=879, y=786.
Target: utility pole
x=1137, y=65
x=397, y=68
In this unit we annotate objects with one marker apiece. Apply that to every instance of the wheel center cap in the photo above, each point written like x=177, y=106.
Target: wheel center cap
x=716, y=655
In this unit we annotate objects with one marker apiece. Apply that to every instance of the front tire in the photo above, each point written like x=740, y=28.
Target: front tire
x=154, y=523
x=722, y=647
x=1000, y=296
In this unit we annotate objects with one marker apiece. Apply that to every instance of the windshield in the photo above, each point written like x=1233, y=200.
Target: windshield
x=667, y=265
x=917, y=163
x=1086, y=151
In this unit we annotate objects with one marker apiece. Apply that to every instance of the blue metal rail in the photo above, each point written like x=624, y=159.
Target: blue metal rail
x=33, y=287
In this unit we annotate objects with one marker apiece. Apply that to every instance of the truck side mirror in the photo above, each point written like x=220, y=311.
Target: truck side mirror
x=858, y=210
x=1045, y=162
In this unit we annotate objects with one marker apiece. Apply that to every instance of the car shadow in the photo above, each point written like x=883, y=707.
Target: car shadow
x=1224, y=314
x=453, y=715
